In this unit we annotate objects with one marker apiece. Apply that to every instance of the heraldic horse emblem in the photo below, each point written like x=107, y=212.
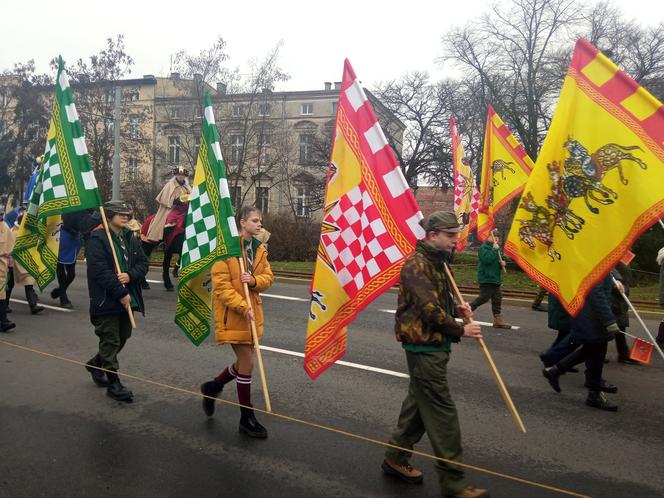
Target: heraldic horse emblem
x=581, y=177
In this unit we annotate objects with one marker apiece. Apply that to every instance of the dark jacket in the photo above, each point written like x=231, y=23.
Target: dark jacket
x=489, y=269
x=103, y=285
x=559, y=319
x=589, y=326
x=425, y=311
x=661, y=284
x=619, y=306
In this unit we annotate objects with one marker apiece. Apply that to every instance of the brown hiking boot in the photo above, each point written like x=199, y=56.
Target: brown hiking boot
x=404, y=472
x=499, y=323
x=470, y=492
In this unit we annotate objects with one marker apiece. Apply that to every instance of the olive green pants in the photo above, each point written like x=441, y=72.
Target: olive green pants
x=429, y=408
x=113, y=332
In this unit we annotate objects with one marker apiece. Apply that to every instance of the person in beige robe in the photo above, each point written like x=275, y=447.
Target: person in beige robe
x=169, y=195
x=19, y=276
x=7, y=240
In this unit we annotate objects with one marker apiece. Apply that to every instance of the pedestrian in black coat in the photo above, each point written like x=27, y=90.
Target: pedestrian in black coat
x=112, y=293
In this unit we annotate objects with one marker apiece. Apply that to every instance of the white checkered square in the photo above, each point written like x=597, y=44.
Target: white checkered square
x=59, y=192
x=360, y=247
x=210, y=222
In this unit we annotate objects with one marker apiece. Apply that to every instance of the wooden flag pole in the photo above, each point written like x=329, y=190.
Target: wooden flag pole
x=487, y=355
x=254, y=337
x=500, y=258
x=115, y=259
x=631, y=306
x=661, y=223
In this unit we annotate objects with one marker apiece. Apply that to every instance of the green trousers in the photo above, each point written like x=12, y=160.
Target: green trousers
x=429, y=408
x=113, y=332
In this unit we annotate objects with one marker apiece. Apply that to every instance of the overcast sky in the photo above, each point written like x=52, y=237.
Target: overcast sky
x=382, y=39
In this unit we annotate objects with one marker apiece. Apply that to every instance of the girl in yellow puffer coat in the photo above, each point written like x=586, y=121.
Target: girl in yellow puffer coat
x=232, y=315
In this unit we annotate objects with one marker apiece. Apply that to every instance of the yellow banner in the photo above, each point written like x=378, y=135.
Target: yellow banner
x=598, y=181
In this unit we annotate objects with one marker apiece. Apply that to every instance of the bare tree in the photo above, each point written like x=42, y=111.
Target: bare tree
x=24, y=118
x=513, y=53
x=94, y=83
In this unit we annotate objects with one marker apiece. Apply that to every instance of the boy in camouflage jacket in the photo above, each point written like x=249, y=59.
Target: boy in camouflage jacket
x=426, y=327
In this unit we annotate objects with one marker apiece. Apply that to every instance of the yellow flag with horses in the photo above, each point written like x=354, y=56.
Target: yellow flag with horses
x=598, y=181
x=505, y=170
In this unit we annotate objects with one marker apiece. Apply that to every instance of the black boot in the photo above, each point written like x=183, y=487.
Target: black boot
x=553, y=374
x=31, y=296
x=55, y=293
x=597, y=399
x=167, y=281
x=145, y=285
x=212, y=390
x=605, y=387
x=98, y=376
x=250, y=426
x=116, y=390
x=64, y=301
x=5, y=324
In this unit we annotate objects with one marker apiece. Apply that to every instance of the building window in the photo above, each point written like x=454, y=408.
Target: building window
x=306, y=148
x=197, y=145
x=236, y=196
x=335, y=106
x=174, y=150
x=3, y=128
x=175, y=114
x=262, y=199
x=237, y=110
x=264, y=109
x=237, y=143
x=302, y=202
x=133, y=128
x=131, y=96
x=307, y=109
x=265, y=144
x=197, y=112
x=132, y=168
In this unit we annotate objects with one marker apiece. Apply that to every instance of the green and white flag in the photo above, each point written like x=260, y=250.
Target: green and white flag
x=66, y=183
x=210, y=233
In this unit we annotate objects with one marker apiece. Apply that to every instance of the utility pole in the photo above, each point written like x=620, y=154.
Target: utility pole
x=116, y=144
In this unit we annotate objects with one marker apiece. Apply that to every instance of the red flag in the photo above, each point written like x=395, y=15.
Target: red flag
x=466, y=193
x=370, y=225
x=641, y=351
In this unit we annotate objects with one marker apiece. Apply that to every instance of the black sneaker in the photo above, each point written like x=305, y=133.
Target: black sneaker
x=145, y=285
x=250, y=426
x=539, y=307
x=552, y=374
x=209, y=390
x=597, y=399
x=98, y=376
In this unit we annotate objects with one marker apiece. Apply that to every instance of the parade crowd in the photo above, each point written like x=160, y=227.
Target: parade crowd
x=425, y=322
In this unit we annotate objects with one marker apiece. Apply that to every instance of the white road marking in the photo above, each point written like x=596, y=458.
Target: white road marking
x=340, y=362
x=56, y=308
x=287, y=298
x=290, y=298
x=488, y=324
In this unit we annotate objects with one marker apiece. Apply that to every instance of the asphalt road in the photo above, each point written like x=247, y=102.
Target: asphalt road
x=61, y=436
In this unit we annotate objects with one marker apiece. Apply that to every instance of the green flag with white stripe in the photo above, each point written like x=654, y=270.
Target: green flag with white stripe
x=66, y=183
x=210, y=233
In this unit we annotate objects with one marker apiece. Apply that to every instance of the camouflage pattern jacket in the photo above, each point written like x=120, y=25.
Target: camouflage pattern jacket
x=425, y=313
